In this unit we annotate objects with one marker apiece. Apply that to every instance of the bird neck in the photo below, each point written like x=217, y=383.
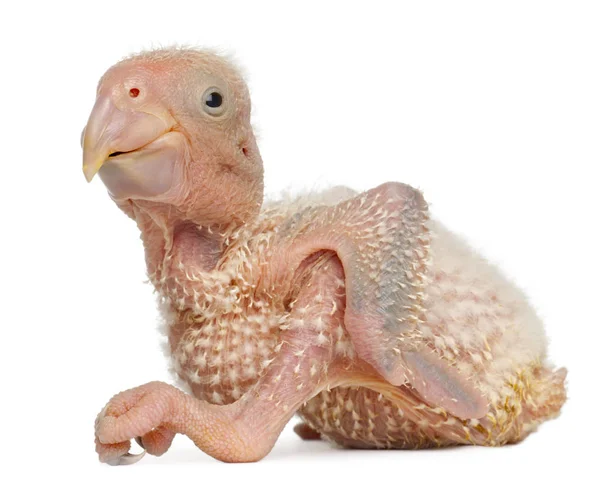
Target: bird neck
x=169, y=242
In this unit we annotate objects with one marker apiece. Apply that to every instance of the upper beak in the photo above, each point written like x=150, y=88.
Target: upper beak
x=110, y=129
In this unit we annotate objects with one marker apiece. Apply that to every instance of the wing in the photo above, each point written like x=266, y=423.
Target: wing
x=382, y=241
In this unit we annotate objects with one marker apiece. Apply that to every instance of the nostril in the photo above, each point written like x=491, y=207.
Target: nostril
x=134, y=92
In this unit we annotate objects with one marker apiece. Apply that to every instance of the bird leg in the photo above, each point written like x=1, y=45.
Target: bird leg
x=243, y=431
x=247, y=429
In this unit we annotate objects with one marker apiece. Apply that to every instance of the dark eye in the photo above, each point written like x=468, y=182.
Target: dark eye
x=214, y=99
x=213, y=102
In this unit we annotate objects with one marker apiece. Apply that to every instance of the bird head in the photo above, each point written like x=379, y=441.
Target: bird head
x=171, y=130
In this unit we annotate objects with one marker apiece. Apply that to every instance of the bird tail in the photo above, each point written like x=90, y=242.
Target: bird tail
x=546, y=396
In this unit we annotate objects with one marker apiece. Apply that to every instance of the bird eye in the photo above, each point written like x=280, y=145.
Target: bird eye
x=214, y=99
x=213, y=102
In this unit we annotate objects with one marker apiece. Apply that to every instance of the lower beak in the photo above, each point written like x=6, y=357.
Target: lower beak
x=110, y=130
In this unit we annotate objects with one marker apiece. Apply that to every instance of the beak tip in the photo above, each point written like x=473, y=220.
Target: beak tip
x=89, y=173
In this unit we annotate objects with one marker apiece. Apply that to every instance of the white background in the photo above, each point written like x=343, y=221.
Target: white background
x=491, y=108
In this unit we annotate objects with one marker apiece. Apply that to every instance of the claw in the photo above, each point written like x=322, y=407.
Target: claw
x=138, y=440
x=126, y=459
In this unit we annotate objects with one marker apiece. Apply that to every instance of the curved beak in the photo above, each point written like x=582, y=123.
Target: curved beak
x=111, y=130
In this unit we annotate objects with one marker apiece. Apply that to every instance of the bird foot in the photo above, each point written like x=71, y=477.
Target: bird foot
x=306, y=432
x=134, y=414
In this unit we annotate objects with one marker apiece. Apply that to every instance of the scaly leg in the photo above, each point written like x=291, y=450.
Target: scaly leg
x=247, y=429
x=243, y=431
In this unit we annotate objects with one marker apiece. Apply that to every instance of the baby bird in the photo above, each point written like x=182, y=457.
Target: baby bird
x=357, y=311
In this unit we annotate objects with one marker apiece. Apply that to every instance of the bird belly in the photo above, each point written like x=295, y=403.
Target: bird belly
x=360, y=417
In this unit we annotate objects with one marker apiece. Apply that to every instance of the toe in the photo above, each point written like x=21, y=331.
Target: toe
x=133, y=413
x=111, y=452
x=306, y=432
x=157, y=441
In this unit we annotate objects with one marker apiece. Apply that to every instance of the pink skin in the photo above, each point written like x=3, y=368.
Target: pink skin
x=164, y=129
x=338, y=290
x=156, y=411
x=243, y=431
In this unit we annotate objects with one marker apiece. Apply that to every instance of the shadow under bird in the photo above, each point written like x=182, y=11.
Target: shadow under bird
x=357, y=311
